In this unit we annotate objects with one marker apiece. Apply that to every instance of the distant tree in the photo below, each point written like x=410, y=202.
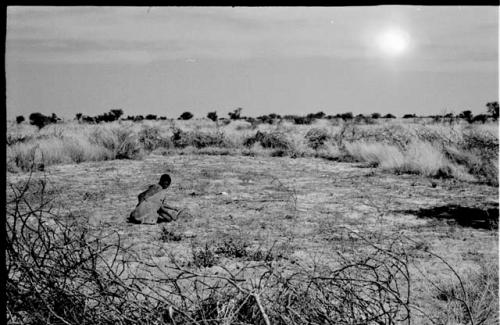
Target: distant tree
x=117, y=113
x=138, y=118
x=78, y=116
x=186, y=116
x=53, y=118
x=480, y=118
x=493, y=109
x=375, y=115
x=212, y=116
x=318, y=115
x=236, y=114
x=163, y=118
x=466, y=115
x=265, y=119
x=449, y=115
x=150, y=117
x=346, y=116
x=359, y=118
x=274, y=116
x=409, y=116
x=389, y=116
x=20, y=119
x=89, y=119
x=251, y=120
x=39, y=120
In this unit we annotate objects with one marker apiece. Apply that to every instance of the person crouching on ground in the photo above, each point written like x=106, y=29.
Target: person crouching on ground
x=152, y=206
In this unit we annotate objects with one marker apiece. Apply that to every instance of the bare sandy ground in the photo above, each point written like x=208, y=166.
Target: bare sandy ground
x=301, y=204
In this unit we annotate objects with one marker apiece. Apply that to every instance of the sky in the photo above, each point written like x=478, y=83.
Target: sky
x=295, y=60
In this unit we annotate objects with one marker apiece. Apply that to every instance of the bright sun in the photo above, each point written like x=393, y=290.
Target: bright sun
x=393, y=42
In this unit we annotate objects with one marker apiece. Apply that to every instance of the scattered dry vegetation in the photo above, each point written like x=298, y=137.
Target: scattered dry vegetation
x=268, y=240
x=462, y=151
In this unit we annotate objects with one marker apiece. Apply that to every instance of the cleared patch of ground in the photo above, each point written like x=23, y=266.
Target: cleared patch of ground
x=304, y=206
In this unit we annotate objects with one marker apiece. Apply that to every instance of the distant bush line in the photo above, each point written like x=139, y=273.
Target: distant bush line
x=492, y=113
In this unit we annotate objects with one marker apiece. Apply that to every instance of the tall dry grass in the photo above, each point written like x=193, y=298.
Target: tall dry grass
x=458, y=150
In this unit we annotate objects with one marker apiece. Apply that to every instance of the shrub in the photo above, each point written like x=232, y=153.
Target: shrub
x=121, y=143
x=182, y=139
x=39, y=120
x=151, y=117
x=375, y=115
x=117, y=113
x=318, y=115
x=212, y=116
x=232, y=247
x=204, y=256
x=377, y=154
x=346, y=116
x=480, y=118
x=300, y=120
x=425, y=159
x=409, y=116
x=493, y=109
x=317, y=137
x=476, y=296
x=19, y=119
x=466, y=115
x=389, y=116
x=236, y=114
x=151, y=139
x=89, y=119
x=169, y=236
x=273, y=140
x=186, y=116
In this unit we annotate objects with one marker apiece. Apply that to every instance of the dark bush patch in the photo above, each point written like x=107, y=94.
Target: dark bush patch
x=182, y=139
x=151, y=139
x=204, y=256
x=273, y=140
x=317, y=137
x=169, y=236
x=232, y=247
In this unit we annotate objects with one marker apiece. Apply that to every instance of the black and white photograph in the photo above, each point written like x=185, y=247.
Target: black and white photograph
x=252, y=165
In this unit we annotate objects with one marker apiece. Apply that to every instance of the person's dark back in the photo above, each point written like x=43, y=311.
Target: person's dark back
x=164, y=183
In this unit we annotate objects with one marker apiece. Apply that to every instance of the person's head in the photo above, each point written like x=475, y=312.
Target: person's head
x=165, y=180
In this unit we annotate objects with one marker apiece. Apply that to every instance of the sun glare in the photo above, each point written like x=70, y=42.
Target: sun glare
x=393, y=42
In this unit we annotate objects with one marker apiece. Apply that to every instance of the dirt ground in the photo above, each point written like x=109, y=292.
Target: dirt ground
x=304, y=204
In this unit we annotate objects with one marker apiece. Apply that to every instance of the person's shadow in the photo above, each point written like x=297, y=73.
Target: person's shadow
x=479, y=218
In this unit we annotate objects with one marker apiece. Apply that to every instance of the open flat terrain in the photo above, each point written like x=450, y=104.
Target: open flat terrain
x=308, y=208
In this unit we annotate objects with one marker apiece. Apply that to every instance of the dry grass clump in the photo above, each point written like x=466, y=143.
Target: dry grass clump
x=199, y=139
x=400, y=135
x=53, y=151
x=418, y=157
x=20, y=133
x=121, y=142
x=425, y=159
x=58, y=145
x=464, y=151
x=474, y=296
x=317, y=137
x=269, y=140
x=151, y=138
x=377, y=154
x=478, y=153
